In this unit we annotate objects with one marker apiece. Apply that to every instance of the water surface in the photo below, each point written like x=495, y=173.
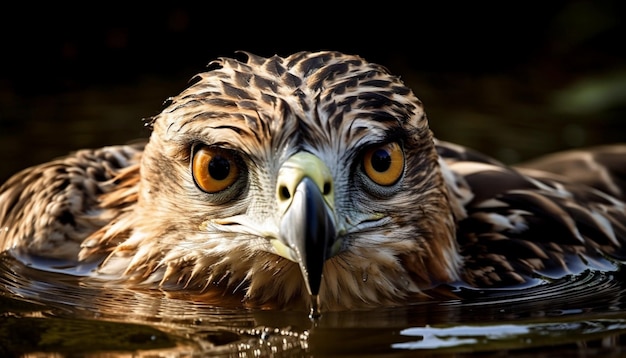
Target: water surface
x=53, y=314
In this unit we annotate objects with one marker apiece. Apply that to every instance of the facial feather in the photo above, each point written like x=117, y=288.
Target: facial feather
x=328, y=104
x=322, y=129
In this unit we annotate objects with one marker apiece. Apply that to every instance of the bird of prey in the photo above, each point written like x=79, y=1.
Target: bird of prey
x=314, y=177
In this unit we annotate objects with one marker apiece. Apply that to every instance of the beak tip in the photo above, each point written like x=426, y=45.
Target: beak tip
x=309, y=230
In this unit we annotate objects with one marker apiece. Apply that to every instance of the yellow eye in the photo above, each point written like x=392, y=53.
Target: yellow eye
x=214, y=169
x=384, y=164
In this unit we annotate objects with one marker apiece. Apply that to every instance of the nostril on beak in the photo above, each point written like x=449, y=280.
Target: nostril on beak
x=283, y=193
x=327, y=188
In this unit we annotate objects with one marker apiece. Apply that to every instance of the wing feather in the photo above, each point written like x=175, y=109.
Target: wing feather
x=529, y=222
x=48, y=210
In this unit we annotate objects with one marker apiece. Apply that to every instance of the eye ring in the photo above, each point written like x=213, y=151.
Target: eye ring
x=214, y=169
x=384, y=164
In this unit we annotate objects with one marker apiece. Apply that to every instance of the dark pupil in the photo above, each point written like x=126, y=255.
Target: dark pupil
x=219, y=167
x=381, y=160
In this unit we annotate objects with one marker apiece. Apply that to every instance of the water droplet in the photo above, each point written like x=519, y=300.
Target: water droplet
x=315, y=311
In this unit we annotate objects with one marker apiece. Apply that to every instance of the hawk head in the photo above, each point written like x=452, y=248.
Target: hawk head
x=286, y=178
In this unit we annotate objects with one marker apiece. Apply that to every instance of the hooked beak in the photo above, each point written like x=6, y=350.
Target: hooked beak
x=307, y=227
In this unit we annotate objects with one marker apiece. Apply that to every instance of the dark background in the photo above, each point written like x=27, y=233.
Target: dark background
x=512, y=79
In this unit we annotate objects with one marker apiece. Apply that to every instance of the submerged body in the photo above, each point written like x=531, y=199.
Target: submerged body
x=275, y=179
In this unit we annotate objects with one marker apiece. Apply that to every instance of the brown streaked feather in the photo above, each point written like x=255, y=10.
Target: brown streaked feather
x=600, y=167
x=455, y=215
x=120, y=200
x=48, y=210
x=524, y=223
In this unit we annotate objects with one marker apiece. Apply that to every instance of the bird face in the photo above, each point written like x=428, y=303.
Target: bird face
x=282, y=178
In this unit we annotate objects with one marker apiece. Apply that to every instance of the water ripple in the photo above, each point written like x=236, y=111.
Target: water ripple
x=67, y=314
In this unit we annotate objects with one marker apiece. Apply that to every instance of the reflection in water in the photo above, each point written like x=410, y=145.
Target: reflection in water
x=48, y=313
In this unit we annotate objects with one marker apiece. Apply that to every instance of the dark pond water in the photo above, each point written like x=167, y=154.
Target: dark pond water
x=47, y=314
x=527, y=111
x=52, y=315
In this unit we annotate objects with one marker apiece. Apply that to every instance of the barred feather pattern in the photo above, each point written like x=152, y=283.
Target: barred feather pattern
x=48, y=210
x=454, y=217
x=537, y=221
